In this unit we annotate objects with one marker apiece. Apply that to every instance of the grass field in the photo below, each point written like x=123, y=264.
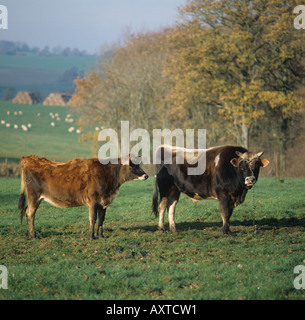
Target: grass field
x=41, y=139
x=135, y=261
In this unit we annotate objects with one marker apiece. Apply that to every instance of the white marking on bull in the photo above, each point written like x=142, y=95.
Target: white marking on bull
x=217, y=160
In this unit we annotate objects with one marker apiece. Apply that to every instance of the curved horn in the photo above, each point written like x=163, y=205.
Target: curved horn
x=242, y=155
x=259, y=154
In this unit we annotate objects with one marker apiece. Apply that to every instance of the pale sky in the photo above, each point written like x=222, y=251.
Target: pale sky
x=84, y=24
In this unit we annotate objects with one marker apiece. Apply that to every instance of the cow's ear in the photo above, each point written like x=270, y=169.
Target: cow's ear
x=264, y=163
x=134, y=159
x=235, y=162
x=125, y=159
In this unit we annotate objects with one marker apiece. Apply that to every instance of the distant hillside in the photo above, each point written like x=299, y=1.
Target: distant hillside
x=45, y=73
x=21, y=48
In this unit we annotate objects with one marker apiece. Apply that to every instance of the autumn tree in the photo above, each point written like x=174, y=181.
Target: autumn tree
x=241, y=59
x=127, y=84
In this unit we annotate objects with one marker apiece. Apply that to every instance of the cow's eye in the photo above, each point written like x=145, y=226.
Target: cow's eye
x=131, y=164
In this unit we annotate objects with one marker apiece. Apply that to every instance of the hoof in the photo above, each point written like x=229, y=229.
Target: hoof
x=162, y=230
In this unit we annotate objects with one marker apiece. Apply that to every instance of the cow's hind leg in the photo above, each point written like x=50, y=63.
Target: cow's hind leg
x=92, y=219
x=101, y=217
x=31, y=209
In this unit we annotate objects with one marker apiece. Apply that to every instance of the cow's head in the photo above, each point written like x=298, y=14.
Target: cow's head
x=132, y=170
x=249, y=164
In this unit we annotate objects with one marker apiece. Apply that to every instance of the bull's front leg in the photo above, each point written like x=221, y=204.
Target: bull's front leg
x=92, y=220
x=226, y=209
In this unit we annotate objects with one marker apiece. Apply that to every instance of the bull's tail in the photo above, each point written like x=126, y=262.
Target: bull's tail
x=155, y=198
x=21, y=202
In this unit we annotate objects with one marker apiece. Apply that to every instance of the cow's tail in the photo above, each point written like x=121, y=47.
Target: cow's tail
x=155, y=198
x=21, y=202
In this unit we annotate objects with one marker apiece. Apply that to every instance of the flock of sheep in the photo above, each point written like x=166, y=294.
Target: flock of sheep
x=27, y=127
x=23, y=126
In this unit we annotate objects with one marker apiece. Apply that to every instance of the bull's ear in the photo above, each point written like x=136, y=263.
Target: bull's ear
x=235, y=162
x=264, y=163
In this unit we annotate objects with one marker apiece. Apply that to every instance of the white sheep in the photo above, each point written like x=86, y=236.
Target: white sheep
x=8, y=113
x=15, y=126
x=20, y=112
x=24, y=128
x=15, y=113
x=2, y=122
x=71, y=129
x=77, y=131
x=38, y=114
x=8, y=125
x=52, y=124
x=29, y=125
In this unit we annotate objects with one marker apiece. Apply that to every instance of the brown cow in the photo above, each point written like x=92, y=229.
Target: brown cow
x=79, y=182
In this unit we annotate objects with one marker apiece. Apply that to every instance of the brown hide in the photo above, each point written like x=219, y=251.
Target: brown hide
x=79, y=182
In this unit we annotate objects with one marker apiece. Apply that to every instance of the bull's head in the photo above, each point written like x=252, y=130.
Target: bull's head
x=249, y=165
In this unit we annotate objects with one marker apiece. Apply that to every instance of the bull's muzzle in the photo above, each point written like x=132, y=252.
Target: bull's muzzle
x=250, y=181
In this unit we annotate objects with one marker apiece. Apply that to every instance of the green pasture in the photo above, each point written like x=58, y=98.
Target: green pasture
x=135, y=261
x=55, y=143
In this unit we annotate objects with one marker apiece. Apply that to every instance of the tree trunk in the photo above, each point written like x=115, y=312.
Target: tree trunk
x=284, y=138
x=244, y=135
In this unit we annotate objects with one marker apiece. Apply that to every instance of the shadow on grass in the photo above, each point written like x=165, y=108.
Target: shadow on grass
x=9, y=198
x=265, y=224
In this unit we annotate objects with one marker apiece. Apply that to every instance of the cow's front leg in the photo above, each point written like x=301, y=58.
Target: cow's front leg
x=226, y=208
x=92, y=220
x=101, y=217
